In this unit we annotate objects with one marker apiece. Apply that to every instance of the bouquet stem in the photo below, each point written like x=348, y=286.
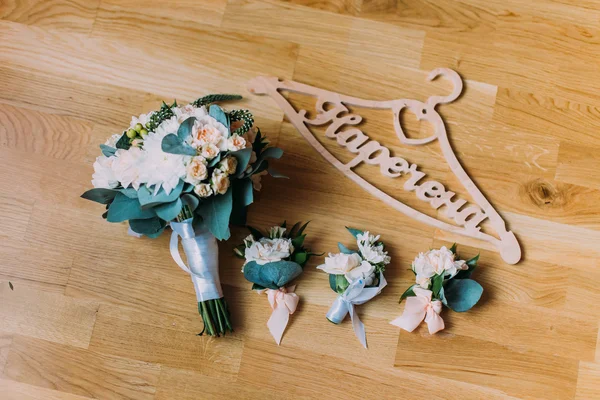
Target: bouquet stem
x=215, y=316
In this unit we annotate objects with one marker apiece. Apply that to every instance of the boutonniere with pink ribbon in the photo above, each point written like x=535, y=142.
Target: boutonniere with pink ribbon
x=356, y=276
x=272, y=261
x=442, y=279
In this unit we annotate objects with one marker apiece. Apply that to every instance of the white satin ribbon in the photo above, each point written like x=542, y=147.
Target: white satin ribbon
x=202, y=253
x=355, y=294
x=283, y=301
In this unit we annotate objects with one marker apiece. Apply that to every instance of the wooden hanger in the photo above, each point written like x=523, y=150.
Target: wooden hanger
x=331, y=108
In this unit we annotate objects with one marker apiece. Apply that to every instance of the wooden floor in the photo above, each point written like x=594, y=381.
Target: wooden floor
x=97, y=314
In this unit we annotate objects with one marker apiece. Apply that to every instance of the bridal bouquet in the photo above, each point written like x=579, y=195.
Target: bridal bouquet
x=194, y=167
x=441, y=279
x=357, y=277
x=272, y=261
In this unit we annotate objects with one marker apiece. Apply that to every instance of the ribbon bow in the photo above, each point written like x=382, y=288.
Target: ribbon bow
x=421, y=307
x=283, y=302
x=355, y=294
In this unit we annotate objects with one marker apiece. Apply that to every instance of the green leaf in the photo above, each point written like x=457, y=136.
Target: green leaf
x=10, y=285
x=213, y=98
x=124, y=208
x=215, y=160
x=302, y=228
x=100, y=195
x=437, y=283
x=344, y=249
x=146, y=226
x=301, y=258
x=462, y=294
x=453, y=248
x=466, y=273
x=242, y=115
x=255, y=233
x=408, y=293
x=123, y=142
x=271, y=152
x=169, y=211
x=129, y=192
x=338, y=283
x=442, y=297
x=275, y=174
x=148, y=199
x=257, y=287
x=354, y=232
x=216, y=212
x=217, y=113
x=298, y=241
x=272, y=275
x=185, y=129
x=292, y=232
x=242, y=198
x=242, y=157
x=190, y=200
x=174, y=145
x=107, y=150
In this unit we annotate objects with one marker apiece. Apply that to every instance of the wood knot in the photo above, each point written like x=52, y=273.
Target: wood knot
x=543, y=194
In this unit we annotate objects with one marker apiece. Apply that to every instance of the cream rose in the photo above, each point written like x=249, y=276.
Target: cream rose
x=209, y=151
x=435, y=262
x=236, y=143
x=203, y=190
x=220, y=182
x=207, y=130
x=196, y=170
x=340, y=264
x=228, y=165
x=269, y=250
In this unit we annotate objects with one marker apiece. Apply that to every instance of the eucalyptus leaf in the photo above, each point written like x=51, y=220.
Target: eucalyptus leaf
x=215, y=161
x=100, y=195
x=462, y=294
x=124, y=208
x=108, y=151
x=243, y=158
x=190, y=200
x=216, y=212
x=146, y=226
x=338, y=283
x=129, y=192
x=344, y=249
x=270, y=152
x=169, y=211
x=174, y=145
x=217, y=113
x=148, y=199
x=275, y=174
x=272, y=275
x=185, y=129
x=354, y=232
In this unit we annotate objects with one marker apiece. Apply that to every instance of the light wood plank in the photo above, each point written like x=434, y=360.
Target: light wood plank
x=578, y=164
x=21, y=391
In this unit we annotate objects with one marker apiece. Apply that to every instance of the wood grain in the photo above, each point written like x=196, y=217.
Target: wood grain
x=97, y=314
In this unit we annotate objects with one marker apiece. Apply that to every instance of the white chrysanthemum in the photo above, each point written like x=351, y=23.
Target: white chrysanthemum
x=184, y=112
x=142, y=119
x=112, y=141
x=208, y=131
x=103, y=176
x=374, y=254
x=162, y=169
x=126, y=166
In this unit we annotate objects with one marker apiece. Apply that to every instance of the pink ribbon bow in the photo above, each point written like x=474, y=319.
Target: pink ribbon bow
x=283, y=302
x=419, y=307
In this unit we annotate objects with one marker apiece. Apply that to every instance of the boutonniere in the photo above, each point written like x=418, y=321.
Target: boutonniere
x=442, y=278
x=272, y=260
x=356, y=276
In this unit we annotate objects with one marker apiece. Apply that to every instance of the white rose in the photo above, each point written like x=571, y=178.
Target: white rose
x=276, y=232
x=196, y=170
x=203, y=190
x=236, y=143
x=220, y=182
x=340, y=263
x=365, y=271
x=228, y=165
x=209, y=151
x=103, y=176
x=269, y=250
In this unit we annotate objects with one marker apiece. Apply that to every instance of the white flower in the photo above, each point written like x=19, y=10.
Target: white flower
x=103, y=176
x=228, y=165
x=170, y=125
x=424, y=282
x=112, y=141
x=142, y=119
x=208, y=131
x=184, y=112
x=256, y=180
x=435, y=262
x=269, y=250
x=236, y=143
x=196, y=170
x=220, y=182
x=161, y=169
x=209, y=151
x=365, y=271
x=249, y=240
x=126, y=166
x=366, y=238
x=340, y=263
x=374, y=254
x=276, y=232
x=203, y=190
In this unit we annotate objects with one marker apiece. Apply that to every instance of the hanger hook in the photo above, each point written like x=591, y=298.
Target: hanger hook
x=454, y=77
